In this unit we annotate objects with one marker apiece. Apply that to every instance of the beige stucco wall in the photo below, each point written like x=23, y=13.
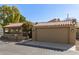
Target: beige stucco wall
x=34, y=34
x=72, y=35
x=55, y=34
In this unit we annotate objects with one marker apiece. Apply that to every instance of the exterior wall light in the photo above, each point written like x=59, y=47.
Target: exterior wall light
x=72, y=30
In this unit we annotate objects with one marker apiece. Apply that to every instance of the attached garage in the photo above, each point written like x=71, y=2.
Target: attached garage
x=53, y=35
x=54, y=32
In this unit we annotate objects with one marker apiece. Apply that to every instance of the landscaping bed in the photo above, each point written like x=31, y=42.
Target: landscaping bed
x=13, y=38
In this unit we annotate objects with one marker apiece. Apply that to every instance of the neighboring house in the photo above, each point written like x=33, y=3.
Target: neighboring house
x=15, y=31
x=55, y=32
x=54, y=20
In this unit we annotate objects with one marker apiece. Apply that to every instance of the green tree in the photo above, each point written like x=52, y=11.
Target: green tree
x=10, y=14
x=4, y=12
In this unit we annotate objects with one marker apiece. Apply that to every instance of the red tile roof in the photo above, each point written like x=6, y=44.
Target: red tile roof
x=14, y=25
x=61, y=23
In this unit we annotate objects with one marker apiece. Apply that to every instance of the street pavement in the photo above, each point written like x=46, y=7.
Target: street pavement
x=11, y=48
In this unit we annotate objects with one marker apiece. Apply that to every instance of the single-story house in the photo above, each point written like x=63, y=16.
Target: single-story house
x=15, y=31
x=55, y=32
x=14, y=28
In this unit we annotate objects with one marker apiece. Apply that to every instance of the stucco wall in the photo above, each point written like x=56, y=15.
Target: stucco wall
x=34, y=34
x=57, y=35
x=72, y=35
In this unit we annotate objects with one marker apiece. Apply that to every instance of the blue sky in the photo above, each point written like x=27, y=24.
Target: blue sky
x=46, y=12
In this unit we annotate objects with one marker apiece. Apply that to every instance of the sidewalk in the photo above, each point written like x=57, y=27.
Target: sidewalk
x=53, y=46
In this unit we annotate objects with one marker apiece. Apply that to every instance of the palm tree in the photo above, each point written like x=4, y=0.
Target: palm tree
x=5, y=11
x=11, y=14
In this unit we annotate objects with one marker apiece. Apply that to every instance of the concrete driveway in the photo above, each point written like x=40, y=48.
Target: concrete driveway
x=13, y=49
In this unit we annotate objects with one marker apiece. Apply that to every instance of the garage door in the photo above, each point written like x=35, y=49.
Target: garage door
x=56, y=35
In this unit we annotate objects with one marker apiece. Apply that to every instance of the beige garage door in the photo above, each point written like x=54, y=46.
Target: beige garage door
x=56, y=35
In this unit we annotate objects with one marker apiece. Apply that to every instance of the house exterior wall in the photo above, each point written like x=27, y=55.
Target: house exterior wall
x=34, y=34
x=55, y=34
x=72, y=35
